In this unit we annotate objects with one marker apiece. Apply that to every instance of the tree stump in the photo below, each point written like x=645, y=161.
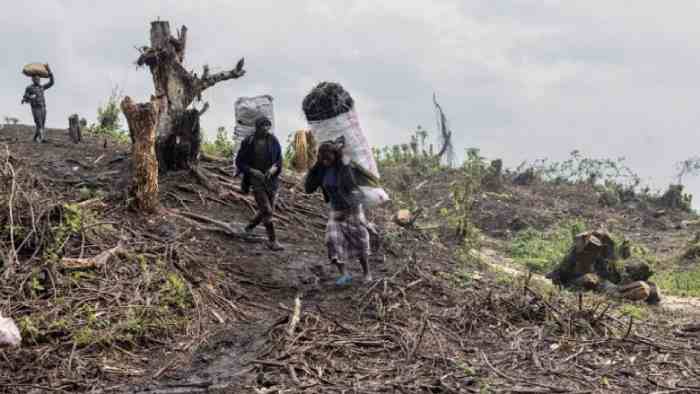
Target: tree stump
x=74, y=129
x=142, y=120
x=177, y=127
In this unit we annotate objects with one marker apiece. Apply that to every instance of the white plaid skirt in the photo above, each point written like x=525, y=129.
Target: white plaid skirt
x=347, y=237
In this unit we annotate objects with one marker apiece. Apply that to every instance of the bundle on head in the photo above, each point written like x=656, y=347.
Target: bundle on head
x=35, y=70
x=327, y=100
x=304, y=146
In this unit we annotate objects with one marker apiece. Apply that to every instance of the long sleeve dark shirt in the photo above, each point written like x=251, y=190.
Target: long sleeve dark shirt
x=246, y=159
x=34, y=94
x=337, y=184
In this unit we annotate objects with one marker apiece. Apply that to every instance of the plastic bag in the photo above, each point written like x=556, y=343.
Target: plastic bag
x=356, y=149
x=248, y=110
x=373, y=196
x=9, y=333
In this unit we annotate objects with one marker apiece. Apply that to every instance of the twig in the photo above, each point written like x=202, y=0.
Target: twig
x=296, y=315
x=629, y=328
x=420, y=338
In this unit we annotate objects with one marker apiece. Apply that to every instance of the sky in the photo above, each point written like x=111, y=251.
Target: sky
x=518, y=79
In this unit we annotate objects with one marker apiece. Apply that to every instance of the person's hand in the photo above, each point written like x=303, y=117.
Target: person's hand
x=48, y=68
x=343, y=158
x=271, y=171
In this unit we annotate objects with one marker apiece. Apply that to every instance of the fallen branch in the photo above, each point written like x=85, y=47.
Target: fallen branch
x=91, y=262
x=296, y=315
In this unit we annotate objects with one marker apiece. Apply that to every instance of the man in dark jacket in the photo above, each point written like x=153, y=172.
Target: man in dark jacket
x=34, y=95
x=260, y=160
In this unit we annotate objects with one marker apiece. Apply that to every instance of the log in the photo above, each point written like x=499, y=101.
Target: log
x=74, y=129
x=142, y=121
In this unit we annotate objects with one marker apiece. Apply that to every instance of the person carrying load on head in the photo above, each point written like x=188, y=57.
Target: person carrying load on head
x=34, y=95
x=347, y=237
x=260, y=160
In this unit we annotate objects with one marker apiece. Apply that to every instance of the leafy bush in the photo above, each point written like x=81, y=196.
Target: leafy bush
x=687, y=167
x=108, y=114
x=222, y=146
x=416, y=154
x=108, y=123
x=676, y=198
x=464, y=191
x=579, y=168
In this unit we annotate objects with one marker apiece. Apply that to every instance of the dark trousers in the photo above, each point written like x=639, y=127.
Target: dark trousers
x=39, y=114
x=265, y=202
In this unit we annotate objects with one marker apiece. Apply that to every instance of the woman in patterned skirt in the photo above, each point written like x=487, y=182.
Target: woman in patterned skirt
x=347, y=237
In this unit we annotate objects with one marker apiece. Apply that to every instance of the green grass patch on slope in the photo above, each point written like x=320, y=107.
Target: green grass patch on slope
x=541, y=251
x=679, y=283
x=682, y=276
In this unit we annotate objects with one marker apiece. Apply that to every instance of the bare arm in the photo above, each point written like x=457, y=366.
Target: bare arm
x=48, y=85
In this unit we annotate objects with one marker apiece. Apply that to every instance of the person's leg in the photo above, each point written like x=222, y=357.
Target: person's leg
x=271, y=237
x=367, y=274
x=43, y=124
x=261, y=200
x=334, y=245
x=36, y=114
x=340, y=266
x=266, y=209
x=363, y=237
x=345, y=278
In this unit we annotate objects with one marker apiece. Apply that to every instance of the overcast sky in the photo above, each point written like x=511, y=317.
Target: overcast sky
x=519, y=79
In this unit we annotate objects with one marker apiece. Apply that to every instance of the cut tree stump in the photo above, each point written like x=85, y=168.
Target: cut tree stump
x=142, y=120
x=635, y=291
x=74, y=131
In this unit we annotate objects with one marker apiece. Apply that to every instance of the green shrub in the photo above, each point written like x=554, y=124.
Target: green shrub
x=108, y=114
x=223, y=145
x=108, y=122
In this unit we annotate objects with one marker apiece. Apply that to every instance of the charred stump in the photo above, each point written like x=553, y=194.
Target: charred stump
x=142, y=120
x=177, y=126
x=74, y=131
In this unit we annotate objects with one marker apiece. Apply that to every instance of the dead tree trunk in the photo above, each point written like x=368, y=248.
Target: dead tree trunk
x=74, y=128
x=142, y=120
x=177, y=127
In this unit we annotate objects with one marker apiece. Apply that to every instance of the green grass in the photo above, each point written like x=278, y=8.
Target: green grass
x=634, y=311
x=679, y=276
x=679, y=283
x=541, y=251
